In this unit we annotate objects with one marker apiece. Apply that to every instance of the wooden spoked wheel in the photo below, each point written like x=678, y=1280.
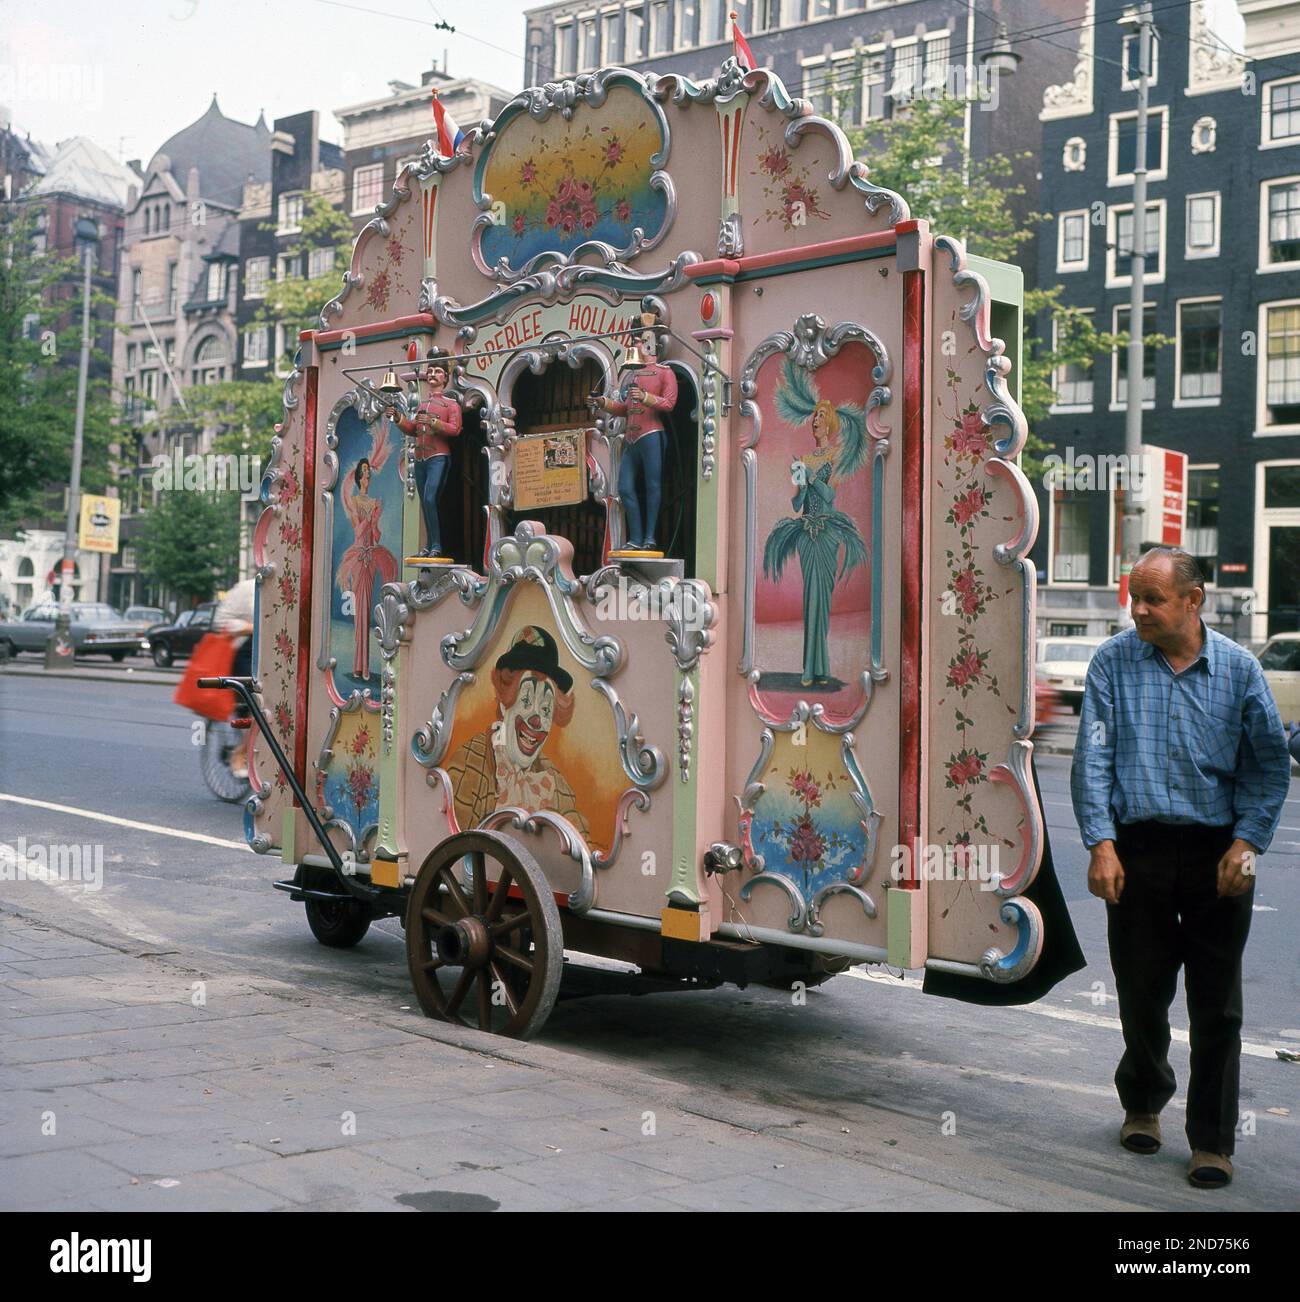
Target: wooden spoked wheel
x=487, y=953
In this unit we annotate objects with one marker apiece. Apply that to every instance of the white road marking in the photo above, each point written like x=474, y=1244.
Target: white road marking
x=1066, y=1014
x=127, y=822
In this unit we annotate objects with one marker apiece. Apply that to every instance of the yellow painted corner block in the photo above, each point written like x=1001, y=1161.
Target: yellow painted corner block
x=386, y=872
x=685, y=924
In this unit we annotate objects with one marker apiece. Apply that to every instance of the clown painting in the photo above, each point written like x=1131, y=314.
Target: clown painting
x=505, y=765
x=826, y=541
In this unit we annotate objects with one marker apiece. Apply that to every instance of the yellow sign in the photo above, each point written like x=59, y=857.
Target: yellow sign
x=551, y=469
x=100, y=517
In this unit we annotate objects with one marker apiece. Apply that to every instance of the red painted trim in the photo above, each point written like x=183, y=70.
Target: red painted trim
x=910, y=225
x=909, y=731
x=780, y=257
x=305, y=583
x=420, y=320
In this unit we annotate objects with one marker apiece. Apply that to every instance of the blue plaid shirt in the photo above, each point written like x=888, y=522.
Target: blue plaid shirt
x=1203, y=746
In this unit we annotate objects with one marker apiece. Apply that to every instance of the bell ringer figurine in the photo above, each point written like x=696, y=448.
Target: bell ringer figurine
x=649, y=394
x=435, y=422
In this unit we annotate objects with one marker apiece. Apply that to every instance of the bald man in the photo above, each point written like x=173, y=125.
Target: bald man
x=1180, y=773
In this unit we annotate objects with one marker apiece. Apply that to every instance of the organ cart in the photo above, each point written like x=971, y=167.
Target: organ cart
x=722, y=663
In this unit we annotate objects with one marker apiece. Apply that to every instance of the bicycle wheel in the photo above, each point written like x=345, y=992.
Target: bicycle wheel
x=219, y=744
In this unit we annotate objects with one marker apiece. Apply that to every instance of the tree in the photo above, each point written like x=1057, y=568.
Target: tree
x=189, y=542
x=40, y=347
x=919, y=153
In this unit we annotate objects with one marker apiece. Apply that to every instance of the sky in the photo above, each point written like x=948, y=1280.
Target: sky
x=130, y=73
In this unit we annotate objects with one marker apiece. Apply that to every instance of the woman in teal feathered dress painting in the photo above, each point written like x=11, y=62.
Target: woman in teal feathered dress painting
x=825, y=539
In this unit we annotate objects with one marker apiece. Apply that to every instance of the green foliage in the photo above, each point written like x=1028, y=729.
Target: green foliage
x=189, y=542
x=40, y=349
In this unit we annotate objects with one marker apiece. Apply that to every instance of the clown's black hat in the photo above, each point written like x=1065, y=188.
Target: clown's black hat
x=534, y=648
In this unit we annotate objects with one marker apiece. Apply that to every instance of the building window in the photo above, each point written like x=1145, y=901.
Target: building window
x=255, y=346
x=846, y=88
x=1072, y=380
x=1200, y=350
x=765, y=15
x=137, y=285
x=319, y=262
x=367, y=188
x=713, y=21
x=565, y=48
x=1120, y=243
x=660, y=28
x=1067, y=630
x=1205, y=134
x=1119, y=371
x=291, y=207
x=1281, y=112
x=873, y=85
x=171, y=289
x=257, y=271
x=633, y=34
x=588, y=36
x=936, y=63
x=1281, y=212
x=609, y=36
x=130, y=357
x=1075, y=156
x=1132, y=69
x=216, y=283
x=1071, y=512
x=1282, y=365
x=209, y=361
x=1072, y=241
x=821, y=9
x=1202, y=226
x=288, y=266
x=1202, y=535
x=816, y=85
x=149, y=385
x=169, y=350
x=1123, y=146
x=907, y=69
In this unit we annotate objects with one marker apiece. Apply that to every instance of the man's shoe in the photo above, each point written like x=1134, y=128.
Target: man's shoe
x=1209, y=1170
x=1140, y=1133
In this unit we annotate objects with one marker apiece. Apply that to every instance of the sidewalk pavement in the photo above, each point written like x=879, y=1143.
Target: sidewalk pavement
x=119, y=673
x=131, y=1082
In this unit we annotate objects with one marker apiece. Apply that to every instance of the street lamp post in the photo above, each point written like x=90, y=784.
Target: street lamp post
x=59, y=649
x=1131, y=534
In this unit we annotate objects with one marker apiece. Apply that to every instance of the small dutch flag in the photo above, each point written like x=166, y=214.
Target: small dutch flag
x=450, y=135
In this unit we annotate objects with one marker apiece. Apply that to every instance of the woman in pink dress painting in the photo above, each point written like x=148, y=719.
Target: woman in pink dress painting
x=367, y=565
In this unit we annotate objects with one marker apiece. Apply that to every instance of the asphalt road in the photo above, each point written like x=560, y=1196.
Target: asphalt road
x=867, y=1062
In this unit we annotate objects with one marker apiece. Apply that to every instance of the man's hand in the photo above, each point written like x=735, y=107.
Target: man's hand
x=1105, y=872
x=1237, y=868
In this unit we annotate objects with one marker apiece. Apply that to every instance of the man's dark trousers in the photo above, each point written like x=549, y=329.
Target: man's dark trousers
x=1170, y=915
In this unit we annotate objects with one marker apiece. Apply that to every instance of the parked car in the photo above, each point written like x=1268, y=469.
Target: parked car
x=1063, y=665
x=1280, y=661
x=144, y=618
x=169, y=642
x=97, y=629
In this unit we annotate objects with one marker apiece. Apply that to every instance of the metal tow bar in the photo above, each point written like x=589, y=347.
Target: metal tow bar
x=243, y=688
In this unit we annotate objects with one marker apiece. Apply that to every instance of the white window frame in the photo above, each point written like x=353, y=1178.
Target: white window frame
x=1263, y=430
x=1179, y=400
x=1265, y=518
x=215, y=268
x=812, y=73
x=930, y=40
x=1187, y=493
x=1266, y=116
x=610, y=36
x=1115, y=403
x=1264, y=266
x=911, y=46
x=318, y=255
x=631, y=57
x=280, y=262
x=1070, y=407
x=1189, y=252
x=1125, y=83
x=771, y=6
x=1112, y=147
x=283, y=217
x=251, y=289
x=1061, y=265
x=1114, y=279
x=665, y=9
x=725, y=6
x=281, y=344
x=362, y=210
x=1053, y=582
x=250, y=357
x=870, y=53
x=588, y=16
x=562, y=31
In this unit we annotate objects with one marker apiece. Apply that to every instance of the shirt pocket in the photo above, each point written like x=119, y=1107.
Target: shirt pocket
x=1216, y=746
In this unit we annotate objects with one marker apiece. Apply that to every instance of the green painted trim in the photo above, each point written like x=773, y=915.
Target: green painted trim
x=390, y=774
x=377, y=339
x=898, y=927
x=410, y=529
x=685, y=796
x=1006, y=311
x=288, y=827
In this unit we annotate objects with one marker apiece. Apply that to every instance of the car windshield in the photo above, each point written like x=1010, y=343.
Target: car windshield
x=143, y=612
x=184, y=618
x=1283, y=656
x=95, y=611
x=1076, y=651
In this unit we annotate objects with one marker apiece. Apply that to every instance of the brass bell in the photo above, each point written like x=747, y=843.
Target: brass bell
x=632, y=355
x=390, y=384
